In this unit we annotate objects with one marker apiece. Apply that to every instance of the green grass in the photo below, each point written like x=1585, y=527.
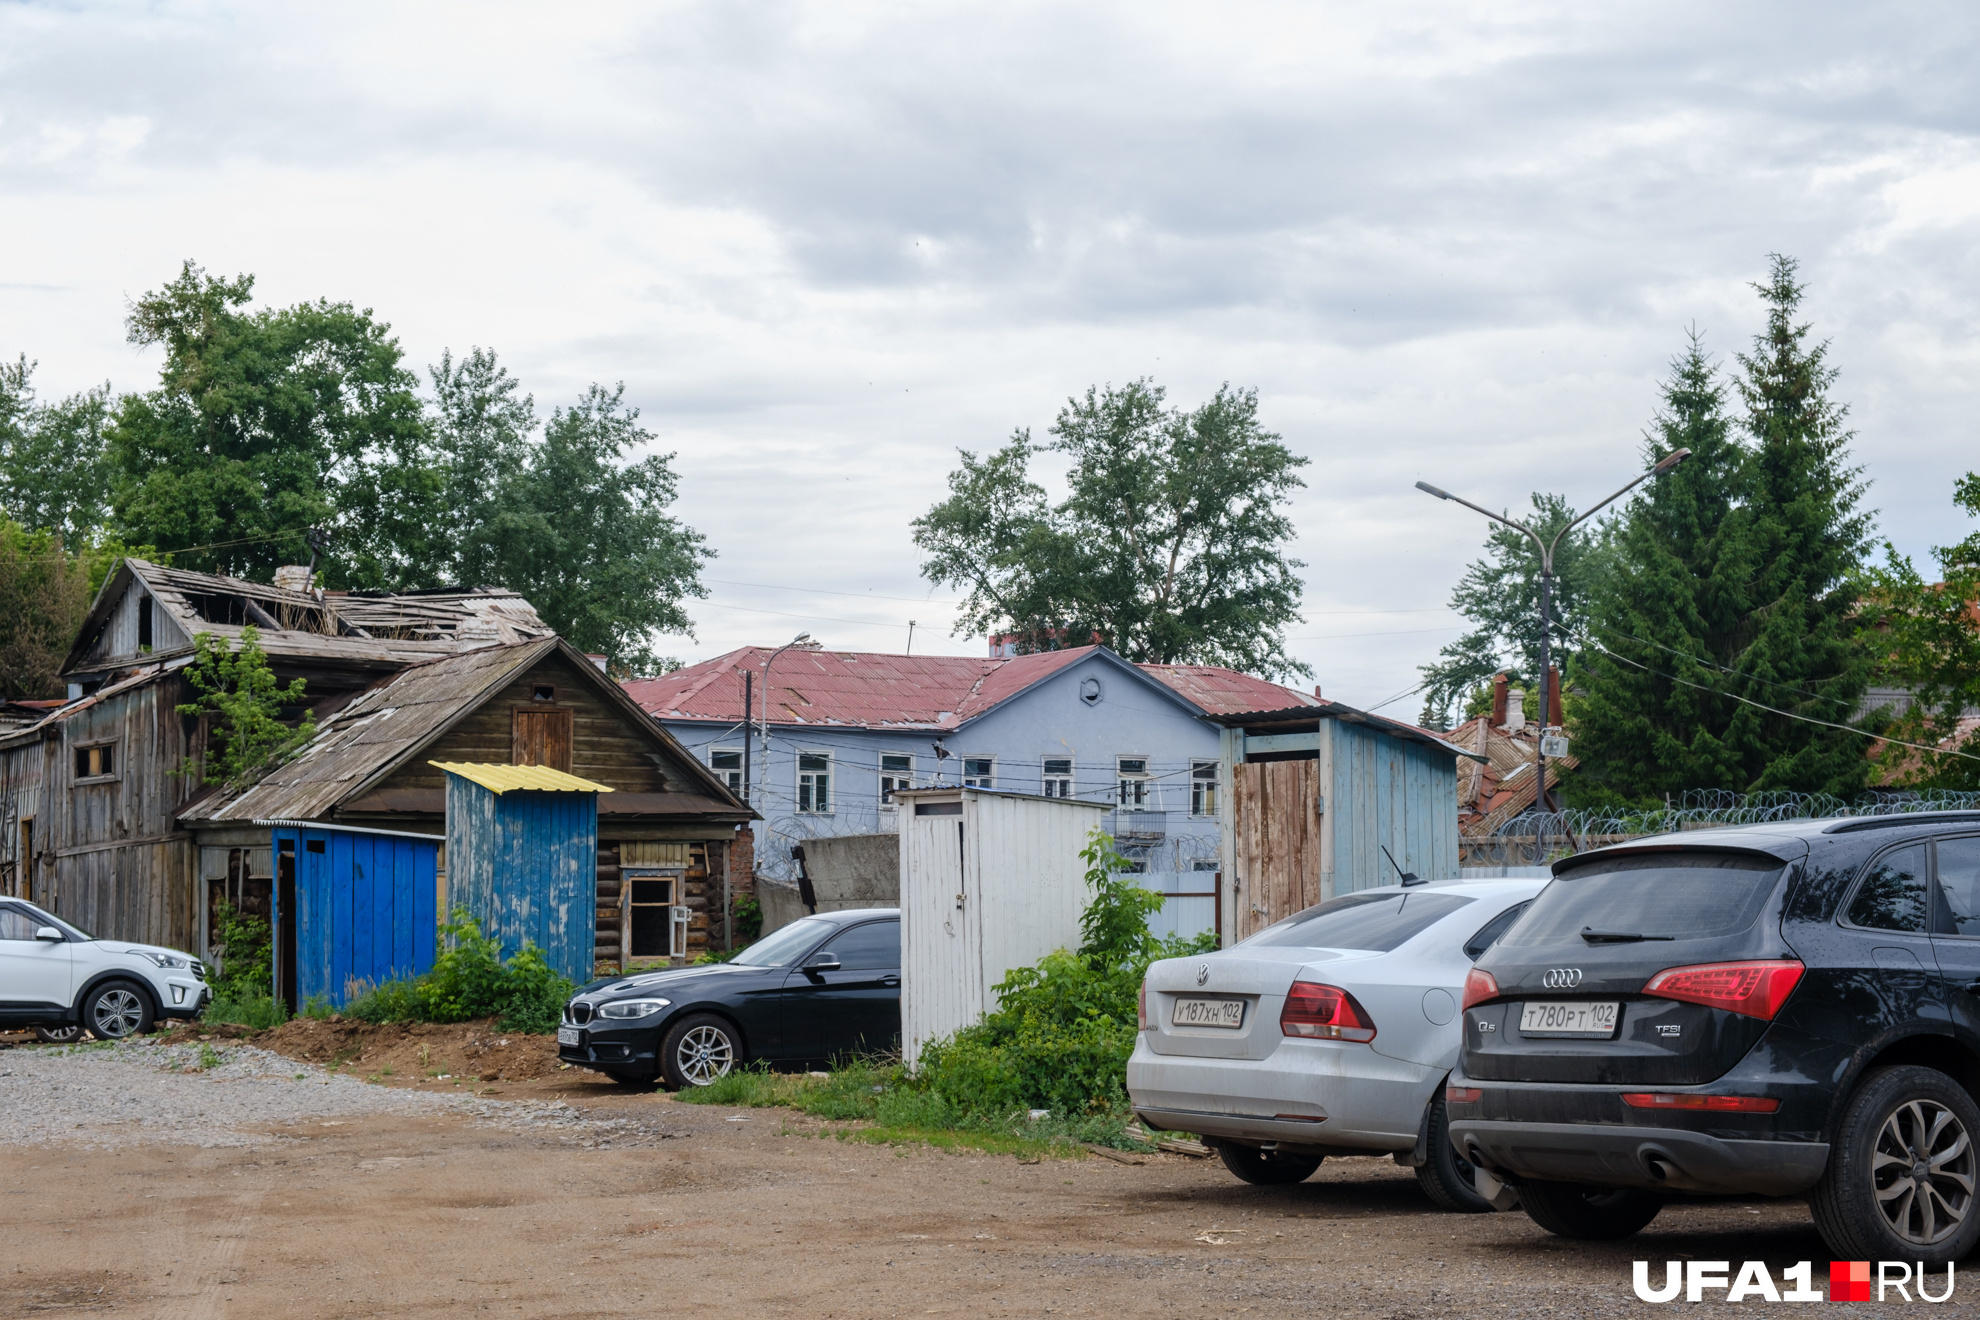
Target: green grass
x=896, y=1109
x=259, y=1012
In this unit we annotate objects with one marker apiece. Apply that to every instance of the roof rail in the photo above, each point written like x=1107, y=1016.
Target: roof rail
x=1856, y=824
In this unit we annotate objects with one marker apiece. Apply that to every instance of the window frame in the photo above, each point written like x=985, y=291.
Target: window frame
x=110, y=776
x=1205, y=789
x=1047, y=777
x=983, y=780
x=1143, y=779
x=806, y=798
x=724, y=771
x=1941, y=906
x=886, y=779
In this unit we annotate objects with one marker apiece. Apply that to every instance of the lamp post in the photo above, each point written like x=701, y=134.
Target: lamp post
x=763, y=725
x=1547, y=548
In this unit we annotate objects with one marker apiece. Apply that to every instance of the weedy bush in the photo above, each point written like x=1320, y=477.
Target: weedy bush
x=469, y=980
x=1063, y=1030
x=244, y=983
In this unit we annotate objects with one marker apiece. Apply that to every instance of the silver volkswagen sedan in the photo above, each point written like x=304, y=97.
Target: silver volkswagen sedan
x=1330, y=1033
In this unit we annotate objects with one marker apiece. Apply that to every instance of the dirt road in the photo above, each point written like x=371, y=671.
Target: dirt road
x=446, y=1214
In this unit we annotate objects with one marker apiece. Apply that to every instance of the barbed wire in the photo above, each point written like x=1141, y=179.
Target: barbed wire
x=1534, y=838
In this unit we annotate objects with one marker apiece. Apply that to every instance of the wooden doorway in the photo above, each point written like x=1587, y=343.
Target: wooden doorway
x=542, y=737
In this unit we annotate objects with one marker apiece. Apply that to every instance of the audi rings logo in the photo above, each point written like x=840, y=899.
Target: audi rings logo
x=1561, y=978
x=1202, y=973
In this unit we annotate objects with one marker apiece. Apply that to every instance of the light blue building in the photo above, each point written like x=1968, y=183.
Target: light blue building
x=830, y=735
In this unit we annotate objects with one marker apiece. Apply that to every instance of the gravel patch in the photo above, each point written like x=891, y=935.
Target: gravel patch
x=143, y=1092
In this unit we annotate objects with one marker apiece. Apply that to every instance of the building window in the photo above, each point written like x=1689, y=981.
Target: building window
x=728, y=767
x=1202, y=788
x=979, y=772
x=543, y=692
x=1058, y=776
x=144, y=623
x=1132, y=774
x=98, y=762
x=896, y=773
x=815, y=783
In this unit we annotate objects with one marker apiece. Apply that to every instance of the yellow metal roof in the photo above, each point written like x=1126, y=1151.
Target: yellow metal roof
x=502, y=778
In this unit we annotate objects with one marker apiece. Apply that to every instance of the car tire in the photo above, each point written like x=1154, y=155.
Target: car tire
x=1266, y=1168
x=64, y=1035
x=1888, y=1136
x=1592, y=1214
x=1445, y=1176
x=699, y=1049
x=117, y=1010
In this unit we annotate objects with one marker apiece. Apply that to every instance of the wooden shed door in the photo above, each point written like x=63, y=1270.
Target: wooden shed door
x=1276, y=809
x=543, y=737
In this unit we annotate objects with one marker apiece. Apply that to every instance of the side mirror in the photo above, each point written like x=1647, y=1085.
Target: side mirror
x=821, y=962
x=49, y=933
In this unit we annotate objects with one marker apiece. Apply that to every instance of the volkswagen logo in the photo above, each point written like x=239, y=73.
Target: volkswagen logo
x=1561, y=978
x=1202, y=973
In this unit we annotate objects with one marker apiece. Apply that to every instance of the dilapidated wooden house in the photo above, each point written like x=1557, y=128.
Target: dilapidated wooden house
x=104, y=824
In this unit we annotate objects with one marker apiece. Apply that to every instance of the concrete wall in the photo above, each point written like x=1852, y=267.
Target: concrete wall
x=853, y=871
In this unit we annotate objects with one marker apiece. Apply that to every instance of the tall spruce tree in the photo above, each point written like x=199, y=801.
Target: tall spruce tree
x=1733, y=578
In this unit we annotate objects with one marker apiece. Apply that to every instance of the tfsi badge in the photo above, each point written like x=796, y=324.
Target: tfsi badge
x=1849, y=1281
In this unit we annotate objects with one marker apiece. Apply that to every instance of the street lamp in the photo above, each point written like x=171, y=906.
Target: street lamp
x=1547, y=548
x=763, y=725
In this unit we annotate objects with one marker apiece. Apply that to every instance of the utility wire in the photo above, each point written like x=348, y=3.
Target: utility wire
x=1736, y=673
x=1775, y=710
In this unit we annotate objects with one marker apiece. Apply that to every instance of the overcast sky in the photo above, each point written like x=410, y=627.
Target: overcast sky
x=824, y=246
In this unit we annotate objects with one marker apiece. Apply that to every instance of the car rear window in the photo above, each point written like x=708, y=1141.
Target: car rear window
x=1685, y=896
x=1375, y=922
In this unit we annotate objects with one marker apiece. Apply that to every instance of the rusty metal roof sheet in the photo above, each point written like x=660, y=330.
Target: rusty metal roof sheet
x=865, y=689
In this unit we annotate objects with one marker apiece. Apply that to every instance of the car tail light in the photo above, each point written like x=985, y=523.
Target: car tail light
x=1324, y=1012
x=1752, y=989
x=1479, y=987
x=1141, y=1008
x=1717, y=1104
x=1462, y=1095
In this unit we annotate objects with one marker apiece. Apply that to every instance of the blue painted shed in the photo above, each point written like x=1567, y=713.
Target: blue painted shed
x=522, y=858
x=353, y=907
x=1326, y=800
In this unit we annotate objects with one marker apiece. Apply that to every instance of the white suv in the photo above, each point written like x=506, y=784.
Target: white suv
x=55, y=976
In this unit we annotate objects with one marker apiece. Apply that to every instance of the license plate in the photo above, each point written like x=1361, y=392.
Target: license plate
x=1569, y=1019
x=1196, y=1011
x=569, y=1036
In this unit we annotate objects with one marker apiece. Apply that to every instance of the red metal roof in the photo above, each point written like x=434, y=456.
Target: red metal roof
x=868, y=689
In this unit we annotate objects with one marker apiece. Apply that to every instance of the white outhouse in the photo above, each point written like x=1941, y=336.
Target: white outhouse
x=990, y=881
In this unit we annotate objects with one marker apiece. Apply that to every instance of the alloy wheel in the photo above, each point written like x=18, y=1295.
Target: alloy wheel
x=116, y=1014
x=1922, y=1172
x=704, y=1054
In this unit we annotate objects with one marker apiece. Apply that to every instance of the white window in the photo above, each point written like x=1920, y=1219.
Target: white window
x=1058, y=776
x=727, y=765
x=1202, y=788
x=815, y=783
x=979, y=772
x=896, y=772
x=1132, y=774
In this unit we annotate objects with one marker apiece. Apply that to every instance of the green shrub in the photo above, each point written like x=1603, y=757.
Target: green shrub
x=748, y=917
x=244, y=982
x=469, y=980
x=1062, y=1031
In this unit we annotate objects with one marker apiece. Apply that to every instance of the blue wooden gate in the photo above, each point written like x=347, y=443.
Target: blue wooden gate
x=366, y=907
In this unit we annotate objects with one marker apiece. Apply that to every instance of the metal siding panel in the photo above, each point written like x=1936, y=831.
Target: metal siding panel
x=425, y=917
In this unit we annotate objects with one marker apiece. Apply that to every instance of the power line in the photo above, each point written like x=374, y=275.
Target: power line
x=1774, y=710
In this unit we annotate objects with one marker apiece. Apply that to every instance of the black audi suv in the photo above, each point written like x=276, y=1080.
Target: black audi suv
x=1790, y=1010
x=819, y=989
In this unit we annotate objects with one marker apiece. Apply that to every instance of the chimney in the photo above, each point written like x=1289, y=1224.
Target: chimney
x=1554, y=696
x=1498, y=698
x=1515, y=709
x=292, y=577
x=1316, y=693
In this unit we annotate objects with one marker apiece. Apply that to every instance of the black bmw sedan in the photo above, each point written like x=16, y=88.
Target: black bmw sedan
x=819, y=989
